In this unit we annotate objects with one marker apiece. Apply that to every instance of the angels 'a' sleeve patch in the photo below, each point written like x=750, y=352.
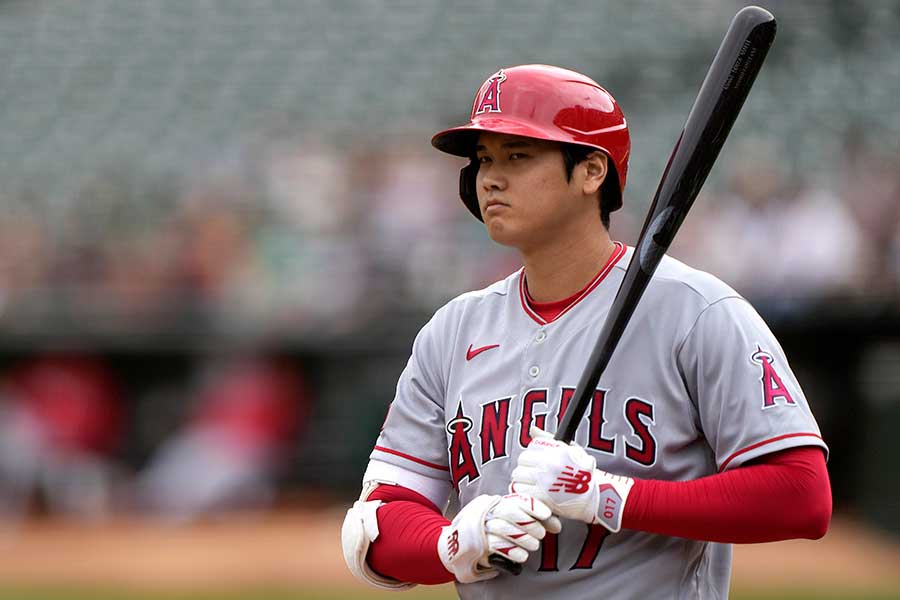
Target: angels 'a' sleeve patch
x=749, y=401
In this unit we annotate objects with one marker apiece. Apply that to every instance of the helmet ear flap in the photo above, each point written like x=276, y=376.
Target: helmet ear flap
x=467, y=189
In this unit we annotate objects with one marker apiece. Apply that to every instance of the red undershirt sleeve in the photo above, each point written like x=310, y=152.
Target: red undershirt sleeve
x=779, y=496
x=409, y=526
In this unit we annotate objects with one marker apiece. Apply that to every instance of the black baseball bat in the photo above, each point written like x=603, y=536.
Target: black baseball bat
x=721, y=96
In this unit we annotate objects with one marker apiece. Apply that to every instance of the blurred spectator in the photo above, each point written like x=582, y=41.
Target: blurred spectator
x=780, y=243
x=215, y=227
x=821, y=254
x=229, y=453
x=307, y=186
x=24, y=252
x=316, y=268
x=139, y=277
x=60, y=425
x=870, y=190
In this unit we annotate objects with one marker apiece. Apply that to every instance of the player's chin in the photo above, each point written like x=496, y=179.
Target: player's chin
x=501, y=231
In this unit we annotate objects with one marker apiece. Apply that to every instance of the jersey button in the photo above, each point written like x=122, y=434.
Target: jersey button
x=541, y=336
x=534, y=371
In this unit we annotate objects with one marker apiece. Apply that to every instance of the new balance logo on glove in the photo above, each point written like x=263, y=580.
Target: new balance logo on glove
x=572, y=481
x=453, y=545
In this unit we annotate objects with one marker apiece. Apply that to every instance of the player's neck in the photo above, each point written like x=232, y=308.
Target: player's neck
x=562, y=269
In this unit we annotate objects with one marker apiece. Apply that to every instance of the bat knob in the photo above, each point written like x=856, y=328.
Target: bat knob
x=504, y=564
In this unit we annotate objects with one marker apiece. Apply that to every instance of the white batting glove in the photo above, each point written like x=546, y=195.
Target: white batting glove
x=566, y=479
x=511, y=525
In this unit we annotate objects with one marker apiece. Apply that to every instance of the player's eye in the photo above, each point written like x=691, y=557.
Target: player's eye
x=517, y=156
x=484, y=159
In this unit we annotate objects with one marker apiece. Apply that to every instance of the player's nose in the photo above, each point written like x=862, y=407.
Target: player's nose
x=491, y=179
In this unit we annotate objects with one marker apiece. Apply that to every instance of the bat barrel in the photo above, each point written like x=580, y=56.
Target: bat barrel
x=719, y=101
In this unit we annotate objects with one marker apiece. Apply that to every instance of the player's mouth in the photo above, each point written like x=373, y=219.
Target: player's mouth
x=494, y=206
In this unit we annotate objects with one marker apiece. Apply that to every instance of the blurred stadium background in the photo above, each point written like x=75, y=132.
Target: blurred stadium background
x=222, y=225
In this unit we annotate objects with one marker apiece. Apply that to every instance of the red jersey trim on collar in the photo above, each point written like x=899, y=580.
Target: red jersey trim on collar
x=617, y=253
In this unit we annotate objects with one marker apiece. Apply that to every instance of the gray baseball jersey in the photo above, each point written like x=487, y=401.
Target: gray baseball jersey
x=697, y=385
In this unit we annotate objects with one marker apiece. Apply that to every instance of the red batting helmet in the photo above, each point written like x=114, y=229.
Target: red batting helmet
x=547, y=103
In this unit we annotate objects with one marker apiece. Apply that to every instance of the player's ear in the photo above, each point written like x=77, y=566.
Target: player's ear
x=596, y=168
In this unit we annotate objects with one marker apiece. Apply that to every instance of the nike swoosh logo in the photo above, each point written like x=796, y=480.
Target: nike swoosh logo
x=470, y=353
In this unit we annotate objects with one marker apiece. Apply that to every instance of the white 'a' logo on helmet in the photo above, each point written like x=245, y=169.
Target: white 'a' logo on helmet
x=488, y=99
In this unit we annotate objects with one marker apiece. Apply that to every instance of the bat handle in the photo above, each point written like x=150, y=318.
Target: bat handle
x=504, y=564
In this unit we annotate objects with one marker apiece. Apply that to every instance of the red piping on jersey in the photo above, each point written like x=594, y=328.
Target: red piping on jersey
x=763, y=443
x=412, y=458
x=617, y=253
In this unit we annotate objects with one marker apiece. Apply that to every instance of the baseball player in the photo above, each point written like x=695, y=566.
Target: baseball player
x=698, y=435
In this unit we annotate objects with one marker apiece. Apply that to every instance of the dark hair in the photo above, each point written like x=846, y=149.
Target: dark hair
x=574, y=154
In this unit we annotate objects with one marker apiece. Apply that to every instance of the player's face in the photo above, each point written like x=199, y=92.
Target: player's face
x=524, y=194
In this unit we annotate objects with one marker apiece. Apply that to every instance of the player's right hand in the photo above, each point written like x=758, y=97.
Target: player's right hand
x=510, y=525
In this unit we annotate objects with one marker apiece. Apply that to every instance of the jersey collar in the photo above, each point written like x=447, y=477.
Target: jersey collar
x=617, y=253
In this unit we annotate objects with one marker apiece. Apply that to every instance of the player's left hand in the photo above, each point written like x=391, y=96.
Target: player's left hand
x=511, y=525
x=566, y=478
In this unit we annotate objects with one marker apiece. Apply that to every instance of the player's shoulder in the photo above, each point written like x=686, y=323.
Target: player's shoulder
x=495, y=292
x=672, y=273
x=675, y=280
x=492, y=296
